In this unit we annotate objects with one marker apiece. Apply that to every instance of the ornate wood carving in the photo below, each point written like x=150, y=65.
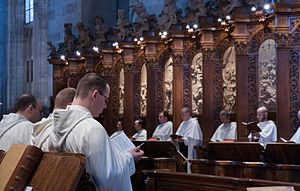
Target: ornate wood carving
x=252, y=86
x=294, y=80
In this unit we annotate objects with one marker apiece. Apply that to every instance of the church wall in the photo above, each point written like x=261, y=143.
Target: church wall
x=3, y=72
x=16, y=75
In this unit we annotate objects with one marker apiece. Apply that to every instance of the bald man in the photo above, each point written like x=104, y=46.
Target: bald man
x=296, y=136
x=42, y=129
x=16, y=128
x=268, y=128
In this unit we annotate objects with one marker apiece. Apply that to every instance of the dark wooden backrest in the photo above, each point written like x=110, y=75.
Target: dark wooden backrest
x=235, y=151
x=174, y=181
x=60, y=171
x=283, y=153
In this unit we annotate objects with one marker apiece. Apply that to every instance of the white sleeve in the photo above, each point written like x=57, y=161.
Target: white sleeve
x=110, y=169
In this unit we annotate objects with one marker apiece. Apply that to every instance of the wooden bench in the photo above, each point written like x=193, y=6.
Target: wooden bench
x=175, y=181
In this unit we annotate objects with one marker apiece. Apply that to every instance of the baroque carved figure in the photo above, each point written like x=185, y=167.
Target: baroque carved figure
x=267, y=74
x=122, y=27
x=168, y=15
x=197, y=88
x=83, y=37
x=229, y=80
x=141, y=22
x=101, y=31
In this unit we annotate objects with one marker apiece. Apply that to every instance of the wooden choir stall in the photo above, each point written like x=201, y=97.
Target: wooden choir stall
x=236, y=64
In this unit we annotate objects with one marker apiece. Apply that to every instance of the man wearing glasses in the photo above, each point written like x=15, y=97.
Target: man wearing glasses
x=75, y=130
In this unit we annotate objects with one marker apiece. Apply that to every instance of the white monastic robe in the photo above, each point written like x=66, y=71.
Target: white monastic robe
x=75, y=130
x=163, y=131
x=116, y=133
x=268, y=132
x=192, y=135
x=41, y=131
x=141, y=135
x=14, y=129
x=296, y=136
x=225, y=131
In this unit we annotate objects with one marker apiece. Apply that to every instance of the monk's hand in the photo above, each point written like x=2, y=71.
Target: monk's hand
x=137, y=153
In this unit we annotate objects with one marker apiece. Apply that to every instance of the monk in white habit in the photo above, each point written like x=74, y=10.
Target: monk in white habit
x=120, y=127
x=268, y=128
x=165, y=127
x=41, y=129
x=190, y=134
x=75, y=130
x=296, y=136
x=141, y=134
x=16, y=128
x=226, y=131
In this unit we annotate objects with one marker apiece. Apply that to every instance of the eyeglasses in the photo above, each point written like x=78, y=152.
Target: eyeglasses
x=106, y=98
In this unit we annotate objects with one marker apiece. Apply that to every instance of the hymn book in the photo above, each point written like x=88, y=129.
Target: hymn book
x=252, y=126
x=122, y=142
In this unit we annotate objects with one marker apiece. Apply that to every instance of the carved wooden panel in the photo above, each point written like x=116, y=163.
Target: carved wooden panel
x=144, y=91
x=294, y=80
x=252, y=86
x=121, y=93
x=229, y=80
x=267, y=74
x=168, y=86
x=197, y=80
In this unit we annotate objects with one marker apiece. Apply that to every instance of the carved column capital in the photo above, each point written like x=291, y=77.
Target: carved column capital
x=241, y=48
x=283, y=40
x=209, y=54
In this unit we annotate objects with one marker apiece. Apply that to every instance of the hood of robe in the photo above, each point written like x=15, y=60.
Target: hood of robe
x=64, y=122
x=9, y=121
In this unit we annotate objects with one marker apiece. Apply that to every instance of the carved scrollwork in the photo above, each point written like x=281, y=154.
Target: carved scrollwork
x=294, y=81
x=144, y=91
x=252, y=85
x=218, y=91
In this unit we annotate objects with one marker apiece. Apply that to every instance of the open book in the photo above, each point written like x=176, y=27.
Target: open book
x=122, y=142
x=252, y=126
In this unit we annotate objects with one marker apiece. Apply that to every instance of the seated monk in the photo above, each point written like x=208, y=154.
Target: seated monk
x=296, y=136
x=42, y=129
x=226, y=131
x=165, y=127
x=268, y=128
x=141, y=134
x=16, y=128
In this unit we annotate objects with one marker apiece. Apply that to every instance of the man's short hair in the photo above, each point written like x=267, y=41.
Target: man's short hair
x=24, y=101
x=140, y=122
x=225, y=113
x=186, y=110
x=165, y=114
x=90, y=82
x=64, y=97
